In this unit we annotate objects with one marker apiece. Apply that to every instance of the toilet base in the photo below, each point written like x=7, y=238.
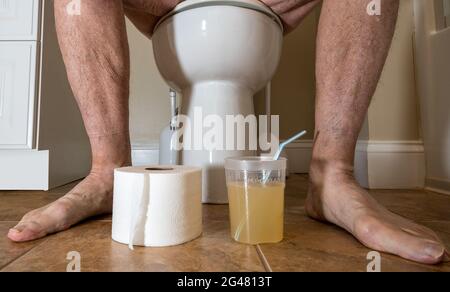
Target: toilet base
x=208, y=106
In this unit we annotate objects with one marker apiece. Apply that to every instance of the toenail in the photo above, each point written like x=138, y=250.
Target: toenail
x=18, y=228
x=446, y=258
x=435, y=251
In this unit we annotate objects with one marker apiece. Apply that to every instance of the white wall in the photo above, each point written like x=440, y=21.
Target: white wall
x=149, y=99
x=433, y=83
x=394, y=112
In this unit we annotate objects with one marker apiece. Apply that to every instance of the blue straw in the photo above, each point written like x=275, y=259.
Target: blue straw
x=287, y=142
x=281, y=148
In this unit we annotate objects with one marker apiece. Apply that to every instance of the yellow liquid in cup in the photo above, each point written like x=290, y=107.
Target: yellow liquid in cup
x=256, y=212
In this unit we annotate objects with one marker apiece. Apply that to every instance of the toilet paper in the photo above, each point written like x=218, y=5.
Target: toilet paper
x=157, y=206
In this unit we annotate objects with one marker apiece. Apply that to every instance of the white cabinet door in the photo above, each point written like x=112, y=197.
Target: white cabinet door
x=17, y=94
x=19, y=19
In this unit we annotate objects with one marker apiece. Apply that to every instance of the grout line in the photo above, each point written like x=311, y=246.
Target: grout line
x=22, y=255
x=263, y=259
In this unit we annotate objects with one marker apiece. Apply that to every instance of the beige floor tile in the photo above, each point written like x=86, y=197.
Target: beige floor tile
x=10, y=251
x=308, y=245
x=214, y=251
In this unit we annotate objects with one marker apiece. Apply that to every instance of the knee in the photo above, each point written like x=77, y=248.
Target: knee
x=292, y=12
x=154, y=7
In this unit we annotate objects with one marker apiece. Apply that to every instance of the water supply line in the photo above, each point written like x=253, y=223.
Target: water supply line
x=173, y=109
x=268, y=96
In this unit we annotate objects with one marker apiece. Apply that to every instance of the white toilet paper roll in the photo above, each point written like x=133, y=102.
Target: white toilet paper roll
x=157, y=206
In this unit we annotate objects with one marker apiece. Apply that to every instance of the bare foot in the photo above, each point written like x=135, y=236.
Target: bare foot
x=92, y=196
x=334, y=196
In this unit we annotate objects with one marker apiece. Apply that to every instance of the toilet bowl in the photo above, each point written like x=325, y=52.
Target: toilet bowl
x=217, y=54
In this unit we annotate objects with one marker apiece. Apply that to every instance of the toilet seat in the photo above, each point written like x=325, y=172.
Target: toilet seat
x=248, y=4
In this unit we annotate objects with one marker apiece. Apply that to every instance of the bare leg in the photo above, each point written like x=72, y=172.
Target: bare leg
x=95, y=51
x=352, y=49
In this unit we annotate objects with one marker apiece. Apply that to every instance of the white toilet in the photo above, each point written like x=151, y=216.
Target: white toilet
x=218, y=54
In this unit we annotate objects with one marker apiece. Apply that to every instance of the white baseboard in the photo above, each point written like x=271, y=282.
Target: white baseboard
x=24, y=170
x=299, y=156
x=394, y=164
x=378, y=164
x=143, y=155
x=40, y=169
x=438, y=185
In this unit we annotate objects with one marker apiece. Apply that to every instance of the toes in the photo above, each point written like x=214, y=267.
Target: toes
x=414, y=228
x=390, y=238
x=418, y=248
x=446, y=257
x=26, y=232
x=93, y=196
x=422, y=232
x=434, y=253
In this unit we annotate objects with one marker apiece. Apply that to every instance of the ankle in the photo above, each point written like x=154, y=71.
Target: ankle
x=108, y=165
x=322, y=170
x=105, y=170
x=110, y=152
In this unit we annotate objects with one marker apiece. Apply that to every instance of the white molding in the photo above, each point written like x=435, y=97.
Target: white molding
x=145, y=154
x=437, y=190
x=378, y=164
x=24, y=170
x=438, y=185
x=299, y=156
x=396, y=164
x=390, y=146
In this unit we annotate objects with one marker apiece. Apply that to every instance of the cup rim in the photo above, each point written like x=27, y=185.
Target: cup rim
x=255, y=163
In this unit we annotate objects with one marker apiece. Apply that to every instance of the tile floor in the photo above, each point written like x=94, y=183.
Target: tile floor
x=308, y=245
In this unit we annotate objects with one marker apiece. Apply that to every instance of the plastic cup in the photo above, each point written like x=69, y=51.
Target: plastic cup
x=256, y=195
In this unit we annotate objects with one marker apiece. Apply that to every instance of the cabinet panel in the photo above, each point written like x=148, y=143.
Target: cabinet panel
x=19, y=19
x=17, y=94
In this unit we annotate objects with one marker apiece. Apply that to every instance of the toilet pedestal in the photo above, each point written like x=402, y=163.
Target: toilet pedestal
x=207, y=107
